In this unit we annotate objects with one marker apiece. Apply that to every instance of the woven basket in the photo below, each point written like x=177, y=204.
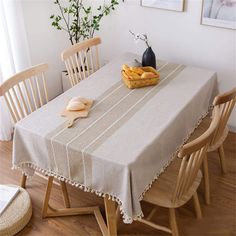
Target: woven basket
x=138, y=83
x=17, y=215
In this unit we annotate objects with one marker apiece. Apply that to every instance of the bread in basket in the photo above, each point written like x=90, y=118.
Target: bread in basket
x=137, y=77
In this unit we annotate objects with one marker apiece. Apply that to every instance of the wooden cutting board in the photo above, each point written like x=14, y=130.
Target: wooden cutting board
x=74, y=115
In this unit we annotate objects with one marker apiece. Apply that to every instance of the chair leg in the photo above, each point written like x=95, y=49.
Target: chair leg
x=65, y=194
x=152, y=213
x=222, y=159
x=206, y=180
x=173, y=223
x=23, y=180
x=47, y=196
x=197, y=206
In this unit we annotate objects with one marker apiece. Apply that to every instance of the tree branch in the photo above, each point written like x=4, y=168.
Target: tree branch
x=67, y=25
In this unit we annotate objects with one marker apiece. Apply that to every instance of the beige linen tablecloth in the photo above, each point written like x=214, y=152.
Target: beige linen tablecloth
x=128, y=139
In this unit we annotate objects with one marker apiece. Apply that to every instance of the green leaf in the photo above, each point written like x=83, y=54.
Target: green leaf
x=80, y=21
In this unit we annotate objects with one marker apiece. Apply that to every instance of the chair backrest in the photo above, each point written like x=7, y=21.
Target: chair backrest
x=192, y=155
x=25, y=92
x=81, y=60
x=226, y=103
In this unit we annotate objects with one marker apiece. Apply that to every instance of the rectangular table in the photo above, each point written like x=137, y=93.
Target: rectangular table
x=127, y=141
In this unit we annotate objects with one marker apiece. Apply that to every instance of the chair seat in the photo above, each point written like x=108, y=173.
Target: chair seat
x=162, y=190
x=205, y=124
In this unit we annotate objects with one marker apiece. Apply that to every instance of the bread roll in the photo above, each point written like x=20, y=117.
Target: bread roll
x=125, y=75
x=132, y=75
x=75, y=106
x=85, y=101
x=74, y=99
x=137, y=70
x=125, y=67
x=153, y=70
x=148, y=75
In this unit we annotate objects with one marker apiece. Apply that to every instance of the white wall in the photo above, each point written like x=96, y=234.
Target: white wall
x=174, y=36
x=45, y=43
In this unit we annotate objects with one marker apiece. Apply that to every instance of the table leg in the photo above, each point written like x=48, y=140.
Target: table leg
x=65, y=194
x=110, y=207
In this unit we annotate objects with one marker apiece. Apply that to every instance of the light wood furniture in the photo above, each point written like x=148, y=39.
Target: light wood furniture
x=24, y=93
x=180, y=181
x=49, y=211
x=81, y=60
x=111, y=216
x=226, y=102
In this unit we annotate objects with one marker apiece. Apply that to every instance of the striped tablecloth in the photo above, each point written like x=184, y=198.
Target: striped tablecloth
x=128, y=139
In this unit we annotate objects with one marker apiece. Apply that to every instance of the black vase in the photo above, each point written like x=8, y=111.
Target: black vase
x=149, y=58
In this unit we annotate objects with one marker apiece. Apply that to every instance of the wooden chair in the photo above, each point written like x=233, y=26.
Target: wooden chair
x=226, y=103
x=180, y=181
x=24, y=93
x=81, y=60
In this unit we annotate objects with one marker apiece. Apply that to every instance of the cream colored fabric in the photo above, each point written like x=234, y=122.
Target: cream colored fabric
x=129, y=137
x=17, y=214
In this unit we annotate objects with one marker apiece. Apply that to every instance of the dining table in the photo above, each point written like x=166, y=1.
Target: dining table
x=128, y=139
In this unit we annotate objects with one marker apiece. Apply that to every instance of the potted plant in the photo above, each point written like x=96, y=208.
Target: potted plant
x=79, y=20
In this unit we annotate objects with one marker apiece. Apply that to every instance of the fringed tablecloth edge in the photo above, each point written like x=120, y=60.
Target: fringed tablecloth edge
x=175, y=153
x=126, y=218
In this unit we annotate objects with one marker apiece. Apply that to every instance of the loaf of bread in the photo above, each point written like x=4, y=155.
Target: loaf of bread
x=132, y=75
x=148, y=75
x=150, y=69
x=85, y=101
x=75, y=106
x=137, y=73
x=125, y=75
x=125, y=67
x=137, y=70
